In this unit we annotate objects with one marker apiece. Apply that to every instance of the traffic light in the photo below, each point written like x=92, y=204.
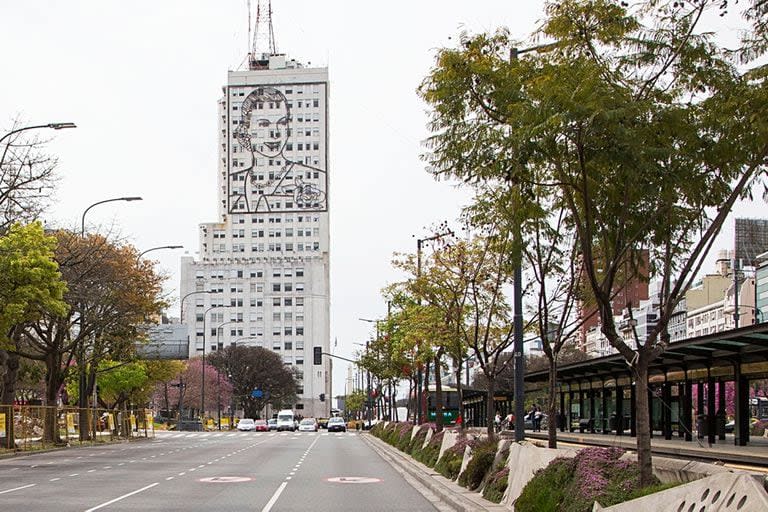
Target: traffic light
x=322, y=397
x=318, y=355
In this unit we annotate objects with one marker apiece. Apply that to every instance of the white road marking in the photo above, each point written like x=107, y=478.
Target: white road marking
x=54, y=479
x=17, y=488
x=169, y=478
x=274, y=497
x=74, y=474
x=121, y=497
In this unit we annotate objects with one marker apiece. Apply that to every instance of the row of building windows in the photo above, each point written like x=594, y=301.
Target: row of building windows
x=277, y=233
x=276, y=247
x=287, y=90
x=255, y=302
x=239, y=274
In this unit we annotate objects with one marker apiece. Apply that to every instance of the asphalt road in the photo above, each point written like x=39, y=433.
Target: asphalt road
x=216, y=471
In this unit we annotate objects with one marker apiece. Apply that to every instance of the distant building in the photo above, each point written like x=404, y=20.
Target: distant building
x=628, y=291
x=761, y=288
x=264, y=262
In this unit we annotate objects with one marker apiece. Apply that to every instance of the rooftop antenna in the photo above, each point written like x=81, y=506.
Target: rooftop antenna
x=263, y=43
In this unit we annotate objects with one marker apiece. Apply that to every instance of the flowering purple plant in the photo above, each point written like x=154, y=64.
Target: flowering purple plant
x=594, y=469
x=461, y=443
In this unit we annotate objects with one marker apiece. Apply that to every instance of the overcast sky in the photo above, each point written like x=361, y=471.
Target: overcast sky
x=141, y=80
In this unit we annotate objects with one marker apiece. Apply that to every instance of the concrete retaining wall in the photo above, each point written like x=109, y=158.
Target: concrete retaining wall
x=719, y=492
x=524, y=460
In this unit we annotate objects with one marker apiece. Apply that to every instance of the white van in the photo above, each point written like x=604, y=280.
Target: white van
x=285, y=420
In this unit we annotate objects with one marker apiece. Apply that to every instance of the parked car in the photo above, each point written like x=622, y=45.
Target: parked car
x=261, y=426
x=308, y=425
x=272, y=423
x=246, y=425
x=337, y=425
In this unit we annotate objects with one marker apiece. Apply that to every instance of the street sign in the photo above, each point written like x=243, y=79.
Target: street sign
x=257, y=393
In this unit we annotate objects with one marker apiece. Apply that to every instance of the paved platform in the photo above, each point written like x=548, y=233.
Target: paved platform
x=755, y=454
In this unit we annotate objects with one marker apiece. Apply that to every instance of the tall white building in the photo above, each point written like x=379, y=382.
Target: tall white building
x=266, y=258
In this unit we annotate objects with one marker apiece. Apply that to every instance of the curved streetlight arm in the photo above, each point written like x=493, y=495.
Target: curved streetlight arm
x=138, y=258
x=181, y=312
x=55, y=126
x=82, y=222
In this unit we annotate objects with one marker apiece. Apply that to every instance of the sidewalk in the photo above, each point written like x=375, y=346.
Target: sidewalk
x=755, y=453
x=452, y=494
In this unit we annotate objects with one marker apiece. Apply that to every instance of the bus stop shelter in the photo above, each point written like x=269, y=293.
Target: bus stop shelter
x=695, y=374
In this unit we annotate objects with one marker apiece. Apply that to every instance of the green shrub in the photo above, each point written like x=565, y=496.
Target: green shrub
x=428, y=454
x=595, y=474
x=377, y=429
x=449, y=464
x=545, y=492
x=479, y=465
x=417, y=442
x=403, y=436
x=497, y=484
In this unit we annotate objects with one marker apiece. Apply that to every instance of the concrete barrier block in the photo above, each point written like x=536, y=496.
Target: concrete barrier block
x=430, y=433
x=449, y=439
x=414, y=431
x=467, y=458
x=676, y=470
x=524, y=460
x=721, y=492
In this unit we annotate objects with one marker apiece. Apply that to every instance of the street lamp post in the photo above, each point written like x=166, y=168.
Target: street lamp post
x=82, y=384
x=218, y=375
x=202, y=386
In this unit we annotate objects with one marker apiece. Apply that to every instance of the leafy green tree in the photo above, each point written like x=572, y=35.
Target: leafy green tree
x=251, y=368
x=30, y=286
x=636, y=120
x=110, y=294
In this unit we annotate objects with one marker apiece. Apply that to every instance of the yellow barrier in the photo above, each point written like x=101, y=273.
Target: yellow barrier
x=30, y=428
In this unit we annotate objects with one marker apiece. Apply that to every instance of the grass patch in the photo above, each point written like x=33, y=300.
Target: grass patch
x=428, y=454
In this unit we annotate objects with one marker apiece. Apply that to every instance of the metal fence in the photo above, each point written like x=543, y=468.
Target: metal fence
x=30, y=428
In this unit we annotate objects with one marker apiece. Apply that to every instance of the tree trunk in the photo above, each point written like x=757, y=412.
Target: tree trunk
x=643, y=427
x=490, y=412
x=552, y=406
x=460, y=395
x=11, y=367
x=438, y=394
x=53, y=382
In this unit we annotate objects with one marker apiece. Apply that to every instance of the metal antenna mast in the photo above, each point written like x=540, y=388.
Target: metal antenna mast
x=263, y=43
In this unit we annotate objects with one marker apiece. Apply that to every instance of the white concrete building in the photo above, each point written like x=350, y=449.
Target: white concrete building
x=264, y=263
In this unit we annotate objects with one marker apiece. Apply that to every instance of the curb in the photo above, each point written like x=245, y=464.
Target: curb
x=456, y=497
x=27, y=453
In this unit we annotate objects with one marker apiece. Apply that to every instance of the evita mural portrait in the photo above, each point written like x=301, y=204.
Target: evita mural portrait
x=267, y=172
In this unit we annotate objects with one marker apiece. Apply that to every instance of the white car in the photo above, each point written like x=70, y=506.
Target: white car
x=308, y=425
x=246, y=424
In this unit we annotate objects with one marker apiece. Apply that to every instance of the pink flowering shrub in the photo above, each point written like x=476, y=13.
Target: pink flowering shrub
x=573, y=485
